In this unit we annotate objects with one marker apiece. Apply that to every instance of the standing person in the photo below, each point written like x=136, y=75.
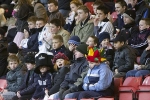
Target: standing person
x=14, y=77
x=25, y=10
x=85, y=28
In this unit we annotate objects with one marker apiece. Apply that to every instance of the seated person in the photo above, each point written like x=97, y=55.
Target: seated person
x=144, y=68
x=97, y=82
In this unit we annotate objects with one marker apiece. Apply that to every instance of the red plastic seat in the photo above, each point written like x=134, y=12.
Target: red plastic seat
x=106, y=99
x=3, y=84
x=90, y=6
x=130, y=86
x=144, y=90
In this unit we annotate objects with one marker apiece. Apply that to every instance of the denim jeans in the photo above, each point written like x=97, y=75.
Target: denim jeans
x=137, y=73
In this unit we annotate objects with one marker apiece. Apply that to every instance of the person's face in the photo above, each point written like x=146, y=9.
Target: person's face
x=119, y=9
x=54, y=29
x=100, y=14
x=132, y=2
x=142, y=25
x=95, y=8
x=56, y=43
x=39, y=24
x=118, y=44
x=60, y=63
x=52, y=7
x=43, y=69
x=82, y=15
x=1, y=37
x=73, y=7
x=126, y=20
x=92, y=64
x=31, y=25
x=105, y=42
x=90, y=42
x=78, y=54
x=30, y=66
x=26, y=33
x=13, y=64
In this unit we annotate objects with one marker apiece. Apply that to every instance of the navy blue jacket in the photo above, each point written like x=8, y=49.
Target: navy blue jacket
x=30, y=81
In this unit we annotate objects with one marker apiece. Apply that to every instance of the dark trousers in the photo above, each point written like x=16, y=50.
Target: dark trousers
x=26, y=97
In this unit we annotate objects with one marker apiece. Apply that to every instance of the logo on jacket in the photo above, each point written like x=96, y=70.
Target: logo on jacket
x=41, y=57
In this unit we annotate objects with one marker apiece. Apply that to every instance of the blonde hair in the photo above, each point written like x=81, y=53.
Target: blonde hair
x=12, y=58
x=66, y=63
x=76, y=2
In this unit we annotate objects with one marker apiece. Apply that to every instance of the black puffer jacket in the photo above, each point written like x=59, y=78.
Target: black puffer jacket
x=14, y=79
x=124, y=59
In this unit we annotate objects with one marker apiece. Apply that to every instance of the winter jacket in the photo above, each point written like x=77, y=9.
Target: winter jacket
x=124, y=59
x=98, y=78
x=64, y=4
x=119, y=23
x=29, y=83
x=65, y=34
x=79, y=66
x=43, y=81
x=58, y=79
x=83, y=31
x=129, y=30
x=3, y=57
x=14, y=79
x=58, y=15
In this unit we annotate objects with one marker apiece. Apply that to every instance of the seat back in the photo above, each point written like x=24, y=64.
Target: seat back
x=3, y=84
x=146, y=81
x=106, y=99
x=90, y=6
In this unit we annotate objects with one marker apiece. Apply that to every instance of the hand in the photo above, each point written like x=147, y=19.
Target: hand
x=148, y=48
x=116, y=71
x=96, y=21
x=18, y=94
x=71, y=47
x=139, y=67
x=46, y=92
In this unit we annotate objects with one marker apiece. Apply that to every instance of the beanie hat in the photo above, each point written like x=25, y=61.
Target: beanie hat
x=74, y=40
x=60, y=56
x=12, y=48
x=130, y=13
x=103, y=35
x=2, y=32
x=82, y=48
x=30, y=57
x=43, y=59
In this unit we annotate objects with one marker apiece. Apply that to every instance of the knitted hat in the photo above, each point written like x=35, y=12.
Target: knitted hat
x=103, y=35
x=74, y=40
x=43, y=59
x=60, y=56
x=130, y=13
x=2, y=32
x=94, y=55
x=30, y=57
x=119, y=38
x=82, y=48
x=12, y=48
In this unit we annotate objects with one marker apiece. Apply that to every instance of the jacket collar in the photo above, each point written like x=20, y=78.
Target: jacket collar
x=54, y=12
x=62, y=47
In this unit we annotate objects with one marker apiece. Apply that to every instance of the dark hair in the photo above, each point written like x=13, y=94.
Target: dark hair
x=147, y=20
x=53, y=1
x=96, y=41
x=56, y=22
x=122, y=3
x=98, y=3
x=41, y=19
x=32, y=19
x=104, y=9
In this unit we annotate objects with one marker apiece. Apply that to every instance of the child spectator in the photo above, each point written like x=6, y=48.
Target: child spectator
x=57, y=29
x=144, y=68
x=70, y=20
x=43, y=67
x=24, y=41
x=85, y=28
x=120, y=7
x=139, y=40
x=77, y=71
x=97, y=82
x=3, y=53
x=106, y=48
x=61, y=65
x=12, y=49
x=58, y=45
x=124, y=57
x=27, y=89
x=92, y=41
x=96, y=4
x=129, y=29
x=101, y=22
x=54, y=13
x=14, y=77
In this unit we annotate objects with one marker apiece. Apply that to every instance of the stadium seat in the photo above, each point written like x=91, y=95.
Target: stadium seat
x=144, y=90
x=117, y=83
x=129, y=87
x=3, y=84
x=106, y=99
x=90, y=6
